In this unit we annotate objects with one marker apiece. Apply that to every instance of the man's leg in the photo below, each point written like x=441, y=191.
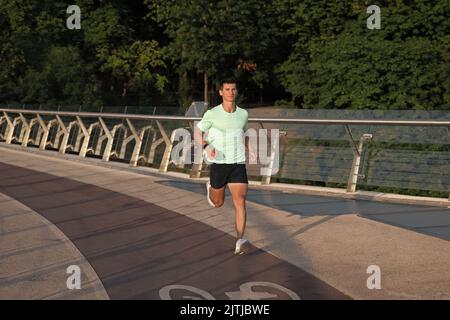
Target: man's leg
x=238, y=193
x=217, y=178
x=217, y=196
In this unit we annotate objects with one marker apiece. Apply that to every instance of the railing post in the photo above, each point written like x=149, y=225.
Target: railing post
x=9, y=129
x=357, y=151
x=125, y=140
x=166, y=157
x=32, y=123
x=91, y=127
x=45, y=130
x=274, y=153
x=69, y=128
x=1, y=123
x=86, y=135
x=155, y=143
x=23, y=128
x=27, y=127
x=137, y=146
x=65, y=132
x=59, y=133
x=101, y=136
x=38, y=136
x=79, y=136
x=50, y=125
x=107, y=152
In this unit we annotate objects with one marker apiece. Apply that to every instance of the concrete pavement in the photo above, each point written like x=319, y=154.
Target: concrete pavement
x=336, y=250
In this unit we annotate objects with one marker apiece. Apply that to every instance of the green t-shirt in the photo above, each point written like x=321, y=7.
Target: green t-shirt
x=226, y=133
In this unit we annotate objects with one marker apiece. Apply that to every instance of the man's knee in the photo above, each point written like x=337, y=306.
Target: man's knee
x=239, y=200
x=217, y=198
x=218, y=202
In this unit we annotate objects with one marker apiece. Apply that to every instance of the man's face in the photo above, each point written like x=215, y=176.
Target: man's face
x=228, y=92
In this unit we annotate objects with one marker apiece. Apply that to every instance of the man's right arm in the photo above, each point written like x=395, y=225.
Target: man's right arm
x=201, y=127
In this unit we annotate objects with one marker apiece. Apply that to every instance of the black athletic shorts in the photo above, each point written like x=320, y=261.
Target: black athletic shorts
x=221, y=174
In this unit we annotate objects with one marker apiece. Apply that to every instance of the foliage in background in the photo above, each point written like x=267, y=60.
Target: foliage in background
x=336, y=62
x=304, y=53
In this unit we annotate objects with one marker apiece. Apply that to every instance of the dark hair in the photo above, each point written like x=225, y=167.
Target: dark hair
x=227, y=80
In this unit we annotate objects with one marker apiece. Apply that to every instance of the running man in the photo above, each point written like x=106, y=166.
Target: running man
x=224, y=150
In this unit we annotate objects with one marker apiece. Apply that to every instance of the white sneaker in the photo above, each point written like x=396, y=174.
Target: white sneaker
x=240, y=244
x=208, y=185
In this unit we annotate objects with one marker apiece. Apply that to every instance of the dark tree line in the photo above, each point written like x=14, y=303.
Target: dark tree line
x=305, y=54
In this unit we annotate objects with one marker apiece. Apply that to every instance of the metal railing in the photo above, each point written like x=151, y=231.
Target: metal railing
x=88, y=133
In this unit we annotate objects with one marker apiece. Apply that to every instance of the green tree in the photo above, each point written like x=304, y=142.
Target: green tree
x=133, y=66
x=216, y=39
x=114, y=53
x=336, y=62
x=123, y=61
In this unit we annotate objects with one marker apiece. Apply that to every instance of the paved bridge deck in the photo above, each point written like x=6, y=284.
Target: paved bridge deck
x=136, y=234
